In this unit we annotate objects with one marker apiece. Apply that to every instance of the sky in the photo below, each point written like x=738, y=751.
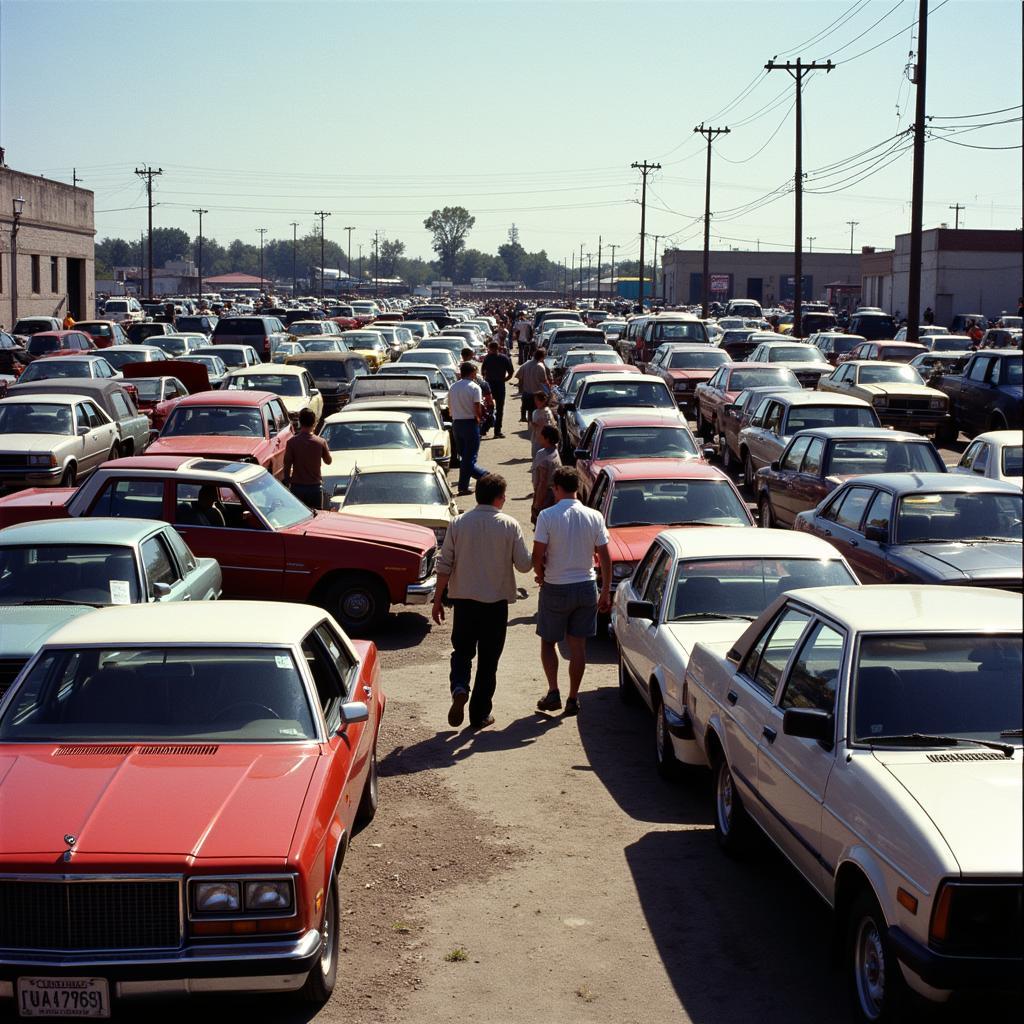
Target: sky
x=525, y=113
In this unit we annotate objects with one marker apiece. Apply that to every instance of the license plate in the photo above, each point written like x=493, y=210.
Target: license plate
x=63, y=997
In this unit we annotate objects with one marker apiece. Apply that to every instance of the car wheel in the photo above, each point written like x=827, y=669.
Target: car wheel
x=359, y=602
x=705, y=428
x=627, y=688
x=748, y=470
x=320, y=981
x=877, y=981
x=369, y=800
x=768, y=520
x=113, y=454
x=727, y=456
x=69, y=476
x=732, y=826
x=664, y=755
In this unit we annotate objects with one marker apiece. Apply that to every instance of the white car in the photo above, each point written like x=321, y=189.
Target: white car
x=425, y=416
x=703, y=584
x=996, y=455
x=874, y=735
x=294, y=385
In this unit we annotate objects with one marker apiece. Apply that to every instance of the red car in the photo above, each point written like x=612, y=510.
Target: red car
x=683, y=367
x=892, y=351
x=642, y=497
x=726, y=383
x=346, y=323
x=58, y=343
x=105, y=333
x=163, y=383
x=633, y=434
x=203, y=769
x=269, y=545
x=240, y=426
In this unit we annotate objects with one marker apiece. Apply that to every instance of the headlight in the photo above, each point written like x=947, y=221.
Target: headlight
x=42, y=460
x=938, y=403
x=439, y=534
x=623, y=570
x=682, y=385
x=881, y=402
x=268, y=895
x=425, y=565
x=216, y=897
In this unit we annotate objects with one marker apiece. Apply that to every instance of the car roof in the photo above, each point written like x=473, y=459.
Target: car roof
x=873, y=362
x=63, y=397
x=357, y=414
x=864, y=433
x=65, y=360
x=271, y=369
x=894, y=344
x=248, y=399
x=203, y=623
x=612, y=378
x=710, y=542
x=80, y=530
x=663, y=469
x=644, y=418
x=953, y=483
x=339, y=357
x=186, y=464
x=910, y=608
x=690, y=346
x=606, y=369
x=399, y=467
x=805, y=397
x=83, y=385
x=383, y=402
x=1002, y=436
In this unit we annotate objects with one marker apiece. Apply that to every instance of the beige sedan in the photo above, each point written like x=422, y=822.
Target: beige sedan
x=293, y=384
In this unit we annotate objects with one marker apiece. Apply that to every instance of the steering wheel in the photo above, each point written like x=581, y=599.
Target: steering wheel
x=245, y=704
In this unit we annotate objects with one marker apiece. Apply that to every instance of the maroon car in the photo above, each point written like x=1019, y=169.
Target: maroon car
x=683, y=367
x=58, y=343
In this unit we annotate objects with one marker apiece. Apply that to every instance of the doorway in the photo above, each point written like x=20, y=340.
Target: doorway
x=76, y=287
x=755, y=288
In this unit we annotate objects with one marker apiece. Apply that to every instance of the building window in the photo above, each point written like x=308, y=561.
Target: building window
x=36, y=287
x=53, y=274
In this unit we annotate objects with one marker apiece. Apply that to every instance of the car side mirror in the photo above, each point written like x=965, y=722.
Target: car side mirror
x=569, y=406
x=731, y=407
x=314, y=391
x=775, y=466
x=708, y=451
x=161, y=591
x=581, y=453
x=352, y=712
x=878, y=534
x=810, y=724
x=641, y=610
x=82, y=430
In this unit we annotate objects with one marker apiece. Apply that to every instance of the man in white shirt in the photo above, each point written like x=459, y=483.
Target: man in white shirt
x=568, y=536
x=466, y=404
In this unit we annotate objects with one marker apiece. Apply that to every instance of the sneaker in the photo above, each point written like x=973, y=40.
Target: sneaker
x=499, y=434
x=483, y=723
x=572, y=707
x=456, y=712
x=551, y=701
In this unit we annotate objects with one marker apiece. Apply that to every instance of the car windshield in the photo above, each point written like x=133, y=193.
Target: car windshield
x=744, y=587
x=329, y=369
x=432, y=374
x=937, y=685
x=425, y=418
x=955, y=516
x=210, y=420
x=97, y=330
x=646, y=443
x=889, y=375
x=325, y=345
x=301, y=329
x=875, y=455
x=42, y=418
x=289, y=385
x=794, y=354
x=275, y=502
x=751, y=378
x=365, y=341
x=899, y=355
x=698, y=360
x=626, y=393
x=1012, y=460
x=231, y=357
x=604, y=355
x=367, y=434
x=48, y=369
x=395, y=489
x=817, y=416
x=676, y=503
x=174, y=346
x=68, y=573
x=1012, y=371
x=213, y=693
x=876, y=328
x=681, y=332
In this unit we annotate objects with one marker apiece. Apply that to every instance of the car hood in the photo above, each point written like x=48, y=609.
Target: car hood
x=334, y=526
x=25, y=443
x=180, y=801
x=630, y=543
x=900, y=389
x=205, y=444
x=343, y=463
x=975, y=561
x=429, y=516
x=976, y=805
x=23, y=628
x=712, y=633
x=698, y=375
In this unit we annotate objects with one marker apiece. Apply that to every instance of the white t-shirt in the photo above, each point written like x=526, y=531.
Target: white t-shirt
x=522, y=330
x=571, y=532
x=463, y=396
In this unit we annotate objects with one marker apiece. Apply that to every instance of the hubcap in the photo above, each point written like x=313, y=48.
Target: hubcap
x=356, y=604
x=659, y=735
x=870, y=968
x=327, y=938
x=724, y=801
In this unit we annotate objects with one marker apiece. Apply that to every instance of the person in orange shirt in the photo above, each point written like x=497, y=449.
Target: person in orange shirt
x=69, y=321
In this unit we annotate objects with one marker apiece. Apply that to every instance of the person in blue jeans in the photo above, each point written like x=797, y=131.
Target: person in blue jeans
x=466, y=404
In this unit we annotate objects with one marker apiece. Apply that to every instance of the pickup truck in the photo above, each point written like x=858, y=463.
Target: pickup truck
x=988, y=395
x=873, y=734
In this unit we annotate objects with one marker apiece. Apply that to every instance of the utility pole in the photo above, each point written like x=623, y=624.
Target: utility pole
x=645, y=168
x=199, y=293
x=810, y=243
x=709, y=134
x=853, y=224
x=149, y=174
x=590, y=273
x=654, y=270
x=957, y=208
x=598, y=268
x=295, y=257
x=917, y=188
x=612, y=277
x=75, y=179
x=360, y=265
x=349, y=228
x=797, y=72
x=321, y=214
x=581, y=271
x=262, y=232
x=376, y=257
x=572, y=266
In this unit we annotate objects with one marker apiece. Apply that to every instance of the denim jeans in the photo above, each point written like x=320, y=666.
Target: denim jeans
x=311, y=495
x=478, y=629
x=498, y=393
x=467, y=437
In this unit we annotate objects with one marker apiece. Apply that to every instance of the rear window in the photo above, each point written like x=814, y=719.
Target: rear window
x=116, y=306
x=40, y=343
x=245, y=326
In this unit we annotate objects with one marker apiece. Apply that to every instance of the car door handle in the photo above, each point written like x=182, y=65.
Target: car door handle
x=828, y=533
x=769, y=733
x=732, y=697
x=854, y=544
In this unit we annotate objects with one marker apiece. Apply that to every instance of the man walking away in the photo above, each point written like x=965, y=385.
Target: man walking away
x=545, y=462
x=533, y=376
x=567, y=537
x=497, y=370
x=541, y=417
x=476, y=563
x=303, y=455
x=522, y=330
x=466, y=404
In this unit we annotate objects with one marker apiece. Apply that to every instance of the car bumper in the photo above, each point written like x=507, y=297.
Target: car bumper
x=14, y=479
x=422, y=592
x=275, y=966
x=957, y=972
x=915, y=423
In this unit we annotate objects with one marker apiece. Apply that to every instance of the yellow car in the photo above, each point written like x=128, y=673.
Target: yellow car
x=371, y=345
x=293, y=384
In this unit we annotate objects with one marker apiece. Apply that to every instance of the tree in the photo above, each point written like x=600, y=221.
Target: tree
x=449, y=227
x=169, y=244
x=513, y=254
x=389, y=252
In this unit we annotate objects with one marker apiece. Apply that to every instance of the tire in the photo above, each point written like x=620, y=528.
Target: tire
x=664, y=756
x=706, y=429
x=627, y=688
x=768, y=520
x=114, y=453
x=69, y=476
x=727, y=457
x=321, y=979
x=997, y=423
x=359, y=602
x=732, y=825
x=370, y=798
x=748, y=471
x=879, y=990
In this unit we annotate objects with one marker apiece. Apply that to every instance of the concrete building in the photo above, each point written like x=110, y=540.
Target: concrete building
x=876, y=278
x=962, y=271
x=742, y=274
x=53, y=239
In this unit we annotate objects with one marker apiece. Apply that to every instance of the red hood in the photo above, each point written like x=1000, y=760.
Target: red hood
x=387, y=532
x=207, y=444
x=35, y=503
x=630, y=543
x=240, y=801
x=692, y=374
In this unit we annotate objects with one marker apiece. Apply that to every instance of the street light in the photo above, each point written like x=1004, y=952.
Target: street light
x=17, y=207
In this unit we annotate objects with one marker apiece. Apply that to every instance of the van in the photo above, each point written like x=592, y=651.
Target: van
x=122, y=309
x=744, y=307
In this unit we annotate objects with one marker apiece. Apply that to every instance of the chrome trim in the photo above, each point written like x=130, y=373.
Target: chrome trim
x=191, y=986
x=422, y=592
x=242, y=915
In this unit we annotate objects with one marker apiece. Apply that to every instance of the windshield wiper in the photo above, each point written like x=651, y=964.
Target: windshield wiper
x=711, y=615
x=981, y=540
x=925, y=739
x=1012, y=732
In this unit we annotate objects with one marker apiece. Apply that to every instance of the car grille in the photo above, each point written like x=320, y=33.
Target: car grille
x=8, y=461
x=90, y=915
x=910, y=405
x=9, y=669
